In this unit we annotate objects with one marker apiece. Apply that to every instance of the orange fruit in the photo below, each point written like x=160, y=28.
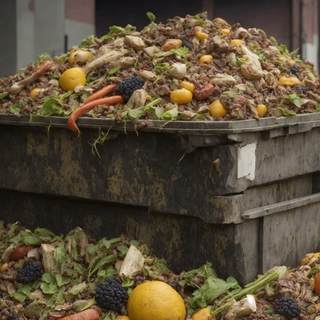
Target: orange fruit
x=187, y=85
x=180, y=96
x=217, y=109
x=155, y=300
x=203, y=314
x=34, y=92
x=79, y=55
x=123, y=318
x=261, y=109
x=71, y=78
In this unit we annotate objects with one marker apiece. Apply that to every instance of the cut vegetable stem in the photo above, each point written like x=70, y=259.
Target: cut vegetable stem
x=248, y=289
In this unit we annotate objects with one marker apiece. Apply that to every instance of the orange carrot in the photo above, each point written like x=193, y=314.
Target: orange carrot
x=20, y=251
x=317, y=283
x=101, y=93
x=88, y=106
x=88, y=314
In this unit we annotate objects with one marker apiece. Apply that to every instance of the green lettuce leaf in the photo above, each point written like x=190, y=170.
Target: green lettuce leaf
x=212, y=288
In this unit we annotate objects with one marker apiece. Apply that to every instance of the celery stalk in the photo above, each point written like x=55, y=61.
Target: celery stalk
x=271, y=275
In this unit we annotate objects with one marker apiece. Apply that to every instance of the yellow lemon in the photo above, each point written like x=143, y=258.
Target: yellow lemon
x=123, y=318
x=203, y=314
x=217, y=109
x=155, y=300
x=187, y=85
x=180, y=96
x=261, y=109
x=71, y=78
x=34, y=92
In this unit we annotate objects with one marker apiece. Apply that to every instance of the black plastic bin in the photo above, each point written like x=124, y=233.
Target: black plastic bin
x=244, y=195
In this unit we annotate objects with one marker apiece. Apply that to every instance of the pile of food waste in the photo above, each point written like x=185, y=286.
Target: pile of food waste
x=74, y=277
x=189, y=69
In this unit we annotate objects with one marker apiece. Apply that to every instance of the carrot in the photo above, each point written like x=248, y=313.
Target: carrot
x=88, y=314
x=101, y=93
x=20, y=251
x=88, y=106
x=316, y=286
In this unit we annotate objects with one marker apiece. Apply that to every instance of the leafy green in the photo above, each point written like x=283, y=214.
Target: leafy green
x=296, y=100
x=171, y=112
x=182, y=52
x=53, y=106
x=26, y=237
x=118, y=31
x=113, y=71
x=33, y=309
x=49, y=288
x=267, y=278
x=201, y=22
x=3, y=95
x=42, y=57
x=62, y=58
x=152, y=19
x=286, y=112
x=284, y=50
x=61, y=280
x=87, y=42
x=162, y=67
x=102, y=263
x=106, y=273
x=212, y=288
x=230, y=94
x=16, y=108
x=241, y=61
x=273, y=39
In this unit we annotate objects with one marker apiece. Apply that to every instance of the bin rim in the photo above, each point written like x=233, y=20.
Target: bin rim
x=307, y=121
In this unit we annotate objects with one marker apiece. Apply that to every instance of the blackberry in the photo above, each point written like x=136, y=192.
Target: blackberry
x=301, y=89
x=287, y=307
x=110, y=295
x=295, y=69
x=187, y=43
x=12, y=316
x=30, y=272
x=128, y=86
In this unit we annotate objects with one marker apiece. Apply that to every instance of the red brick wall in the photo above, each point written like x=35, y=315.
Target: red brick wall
x=77, y=10
x=81, y=10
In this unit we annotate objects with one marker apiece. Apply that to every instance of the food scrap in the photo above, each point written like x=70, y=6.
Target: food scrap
x=207, y=69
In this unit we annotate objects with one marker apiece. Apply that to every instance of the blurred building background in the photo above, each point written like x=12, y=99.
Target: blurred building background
x=33, y=27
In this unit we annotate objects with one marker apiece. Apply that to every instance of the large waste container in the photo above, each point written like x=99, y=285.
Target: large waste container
x=244, y=195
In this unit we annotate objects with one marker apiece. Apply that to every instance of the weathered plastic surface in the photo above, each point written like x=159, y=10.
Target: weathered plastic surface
x=175, y=171
x=273, y=232
x=233, y=193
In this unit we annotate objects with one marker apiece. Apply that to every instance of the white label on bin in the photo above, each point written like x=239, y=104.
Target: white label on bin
x=247, y=161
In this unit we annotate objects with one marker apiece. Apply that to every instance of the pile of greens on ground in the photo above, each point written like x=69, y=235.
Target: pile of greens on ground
x=73, y=265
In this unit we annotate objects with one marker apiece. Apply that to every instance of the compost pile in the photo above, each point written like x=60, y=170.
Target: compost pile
x=49, y=276
x=189, y=69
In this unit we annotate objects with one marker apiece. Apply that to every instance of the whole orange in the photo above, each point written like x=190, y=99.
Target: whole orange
x=155, y=300
x=217, y=109
x=261, y=109
x=71, y=78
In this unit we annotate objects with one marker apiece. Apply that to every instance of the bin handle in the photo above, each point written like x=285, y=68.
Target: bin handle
x=280, y=206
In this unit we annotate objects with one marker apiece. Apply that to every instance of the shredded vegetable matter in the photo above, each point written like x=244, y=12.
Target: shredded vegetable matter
x=238, y=67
